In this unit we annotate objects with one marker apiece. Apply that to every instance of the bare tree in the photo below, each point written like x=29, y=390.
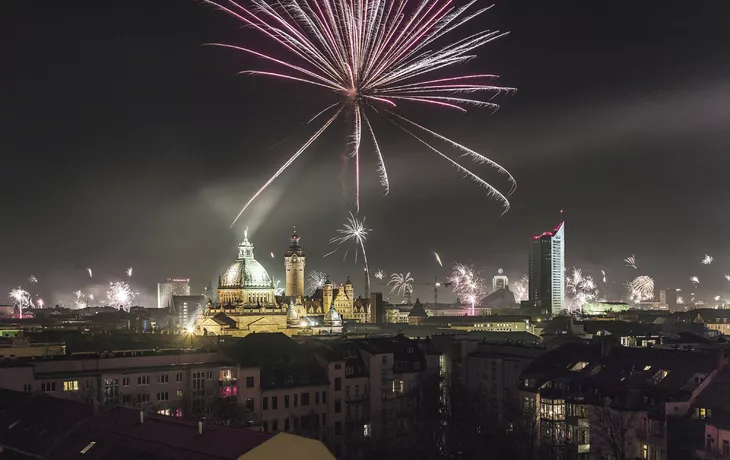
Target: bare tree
x=612, y=432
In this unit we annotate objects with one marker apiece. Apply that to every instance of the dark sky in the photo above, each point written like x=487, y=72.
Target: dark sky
x=127, y=143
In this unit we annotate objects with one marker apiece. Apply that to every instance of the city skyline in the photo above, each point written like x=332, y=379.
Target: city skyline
x=149, y=145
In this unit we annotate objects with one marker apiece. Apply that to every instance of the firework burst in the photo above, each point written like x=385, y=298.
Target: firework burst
x=580, y=288
x=694, y=279
x=380, y=274
x=130, y=270
x=80, y=301
x=353, y=230
x=316, y=280
x=630, y=261
x=707, y=260
x=32, y=279
x=120, y=295
x=641, y=288
x=21, y=298
x=520, y=288
x=467, y=285
x=373, y=54
x=402, y=284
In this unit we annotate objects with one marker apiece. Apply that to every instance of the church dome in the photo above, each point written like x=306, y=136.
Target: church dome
x=246, y=272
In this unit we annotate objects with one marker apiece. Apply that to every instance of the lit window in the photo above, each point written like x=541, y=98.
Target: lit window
x=366, y=430
x=88, y=447
x=580, y=365
x=660, y=375
x=646, y=368
x=71, y=386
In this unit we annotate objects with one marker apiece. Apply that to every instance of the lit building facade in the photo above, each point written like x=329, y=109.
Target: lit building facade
x=173, y=286
x=547, y=270
x=499, y=282
x=295, y=261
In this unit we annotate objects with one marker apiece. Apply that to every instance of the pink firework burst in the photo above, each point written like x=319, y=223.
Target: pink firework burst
x=374, y=54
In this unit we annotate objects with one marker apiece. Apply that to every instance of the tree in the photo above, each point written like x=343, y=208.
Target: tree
x=612, y=432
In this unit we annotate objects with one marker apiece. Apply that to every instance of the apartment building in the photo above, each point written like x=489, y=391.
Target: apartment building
x=605, y=400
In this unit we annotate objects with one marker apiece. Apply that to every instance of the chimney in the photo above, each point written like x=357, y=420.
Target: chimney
x=141, y=416
x=200, y=427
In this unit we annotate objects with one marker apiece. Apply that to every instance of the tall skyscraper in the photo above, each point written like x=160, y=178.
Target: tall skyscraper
x=173, y=286
x=547, y=269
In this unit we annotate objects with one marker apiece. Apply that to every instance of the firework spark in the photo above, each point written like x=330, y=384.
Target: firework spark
x=467, y=285
x=372, y=54
x=32, y=279
x=80, y=301
x=694, y=279
x=120, y=295
x=402, y=284
x=272, y=255
x=520, y=288
x=707, y=260
x=631, y=261
x=680, y=300
x=353, y=230
x=316, y=280
x=21, y=299
x=641, y=288
x=89, y=272
x=603, y=274
x=130, y=270
x=727, y=277
x=380, y=274
x=438, y=259
x=580, y=289
x=40, y=303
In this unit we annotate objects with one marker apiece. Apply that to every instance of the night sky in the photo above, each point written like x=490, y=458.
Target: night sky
x=127, y=143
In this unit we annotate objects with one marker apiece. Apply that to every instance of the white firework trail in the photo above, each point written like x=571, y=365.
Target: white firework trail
x=707, y=260
x=694, y=279
x=438, y=259
x=630, y=261
x=641, y=288
x=89, y=272
x=272, y=255
x=402, y=283
x=316, y=280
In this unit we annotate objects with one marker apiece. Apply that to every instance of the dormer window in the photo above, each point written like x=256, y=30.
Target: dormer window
x=579, y=366
x=648, y=367
x=349, y=370
x=660, y=375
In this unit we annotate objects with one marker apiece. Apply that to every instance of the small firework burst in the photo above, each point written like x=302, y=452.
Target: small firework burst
x=120, y=295
x=467, y=285
x=707, y=260
x=520, y=288
x=402, y=283
x=630, y=261
x=129, y=272
x=316, y=280
x=32, y=279
x=694, y=279
x=641, y=288
x=380, y=274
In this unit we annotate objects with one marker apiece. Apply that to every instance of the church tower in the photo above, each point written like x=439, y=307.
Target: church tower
x=295, y=262
x=327, y=295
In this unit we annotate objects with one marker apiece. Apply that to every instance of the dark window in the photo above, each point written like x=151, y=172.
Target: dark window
x=296, y=400
x=338, y=428
x=296, y=422
x=324, y=397
x=324, y=419
x=286, y=401
x=316, y=397
x=249, y=405
x=305, y=399
x=274, y=402
x=338, y=366
x=266, y=404
x=286, y=424
x=266, y=427
x=338, y=383
x=249, y=382
x=338, y=406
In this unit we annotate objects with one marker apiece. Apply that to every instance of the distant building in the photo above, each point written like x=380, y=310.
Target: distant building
x=601, y=308
x=173, y=286
x=184, y=309
x=547, y=270
x=499, y=282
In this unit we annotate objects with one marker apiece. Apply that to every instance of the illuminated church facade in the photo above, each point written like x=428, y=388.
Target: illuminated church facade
x=247, y=300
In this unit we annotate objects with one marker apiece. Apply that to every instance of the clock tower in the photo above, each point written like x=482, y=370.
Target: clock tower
x=295, y=262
